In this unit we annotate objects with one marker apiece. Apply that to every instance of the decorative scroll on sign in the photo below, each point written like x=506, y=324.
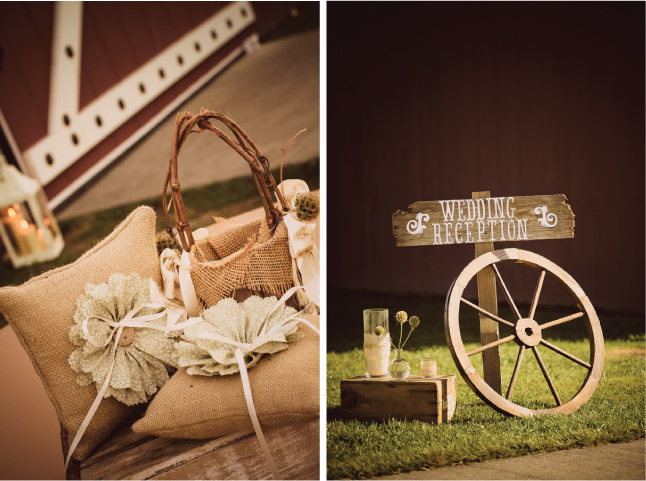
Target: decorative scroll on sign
x=492, y=219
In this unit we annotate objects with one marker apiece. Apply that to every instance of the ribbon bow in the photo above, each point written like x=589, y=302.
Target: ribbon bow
x=305, y=255
x=242, y=348
x=176, y=276
x=129, y=320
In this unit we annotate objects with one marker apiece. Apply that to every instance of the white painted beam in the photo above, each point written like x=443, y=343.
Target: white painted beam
x=250, y=44
x=65, y=76
x=53, y=154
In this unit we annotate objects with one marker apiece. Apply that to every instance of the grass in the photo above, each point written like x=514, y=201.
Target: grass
x=223, y=199
x=615, y=413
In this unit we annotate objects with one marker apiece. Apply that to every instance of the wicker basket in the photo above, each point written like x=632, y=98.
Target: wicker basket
x=235, y=260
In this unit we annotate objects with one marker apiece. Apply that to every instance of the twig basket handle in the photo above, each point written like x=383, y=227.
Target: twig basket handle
x=243, y=145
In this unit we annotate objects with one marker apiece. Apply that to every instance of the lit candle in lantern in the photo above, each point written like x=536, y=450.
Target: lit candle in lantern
x=11, y=223
x=41, y=238
x=29, y=237
x=27, y=227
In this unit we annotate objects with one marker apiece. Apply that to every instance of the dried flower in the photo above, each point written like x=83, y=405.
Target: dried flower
x=164, y=241
x=401, y=317
x=379, y=330
x=308, y=206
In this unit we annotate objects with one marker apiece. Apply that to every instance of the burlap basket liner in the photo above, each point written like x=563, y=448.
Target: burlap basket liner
x=241, y=256
x=284, y=386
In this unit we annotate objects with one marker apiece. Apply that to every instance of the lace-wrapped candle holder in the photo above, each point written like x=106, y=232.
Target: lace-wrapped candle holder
x=376, y=345
x=428, y=367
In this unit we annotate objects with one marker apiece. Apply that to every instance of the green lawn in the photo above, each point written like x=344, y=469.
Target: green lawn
x=615, y=413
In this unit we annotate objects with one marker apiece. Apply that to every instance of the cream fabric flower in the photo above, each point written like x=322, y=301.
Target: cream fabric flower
x=141, y=367
x=241, y=322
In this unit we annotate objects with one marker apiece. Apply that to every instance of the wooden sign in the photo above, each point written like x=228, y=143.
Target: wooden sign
x=490, y=219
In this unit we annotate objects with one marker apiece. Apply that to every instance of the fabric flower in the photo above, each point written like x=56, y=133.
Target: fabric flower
x=240, y=322
x=141, y=367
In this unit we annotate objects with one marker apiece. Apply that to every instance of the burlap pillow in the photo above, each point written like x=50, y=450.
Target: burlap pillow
x=284, y=387
x=41, y=312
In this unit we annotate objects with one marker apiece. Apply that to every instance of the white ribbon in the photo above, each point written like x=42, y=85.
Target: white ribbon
x=304, y=253
x=290, y=188
x=129, y=320
x=241, y=349
x=169, y=264
x=301, y=241
x=186, y=285
x=176, y=276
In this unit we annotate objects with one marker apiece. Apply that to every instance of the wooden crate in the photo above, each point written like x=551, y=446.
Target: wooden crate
x=429, y=400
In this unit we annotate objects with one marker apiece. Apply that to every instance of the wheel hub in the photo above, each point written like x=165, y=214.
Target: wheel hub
x=528, y=332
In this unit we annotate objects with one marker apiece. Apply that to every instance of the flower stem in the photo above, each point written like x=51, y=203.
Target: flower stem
x=407, y=338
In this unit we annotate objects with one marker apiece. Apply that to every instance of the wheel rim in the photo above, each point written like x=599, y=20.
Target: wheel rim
x=527, y=333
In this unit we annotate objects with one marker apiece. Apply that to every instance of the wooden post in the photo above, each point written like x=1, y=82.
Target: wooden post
x=489, y=302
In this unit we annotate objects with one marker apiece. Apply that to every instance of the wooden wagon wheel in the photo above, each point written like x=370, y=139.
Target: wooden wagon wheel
x=526, y=332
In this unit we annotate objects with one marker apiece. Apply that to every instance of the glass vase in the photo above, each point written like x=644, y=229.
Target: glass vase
x=399, y=367
x=376, y=346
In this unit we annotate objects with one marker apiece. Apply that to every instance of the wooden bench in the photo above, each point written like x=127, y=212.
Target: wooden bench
x=129, y=455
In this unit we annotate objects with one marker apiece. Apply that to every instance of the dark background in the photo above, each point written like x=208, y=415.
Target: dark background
x=433, y=101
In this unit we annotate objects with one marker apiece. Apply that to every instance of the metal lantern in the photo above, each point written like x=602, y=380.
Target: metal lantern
x=28, y=230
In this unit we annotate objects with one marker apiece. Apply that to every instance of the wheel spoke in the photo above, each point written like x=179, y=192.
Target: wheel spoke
x=486, y=313
x=537, y=293
x=565, y=354
x=547, y=376
x=561, y=320
x=491, y=344
x=515, y=374
x=514, y=309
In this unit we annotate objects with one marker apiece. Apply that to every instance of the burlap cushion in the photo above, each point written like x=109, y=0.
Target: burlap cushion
x=41, y=312
x=284, y=387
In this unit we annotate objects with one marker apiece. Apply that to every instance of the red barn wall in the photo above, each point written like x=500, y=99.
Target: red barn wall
x=117, y=39
x=437, y=100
